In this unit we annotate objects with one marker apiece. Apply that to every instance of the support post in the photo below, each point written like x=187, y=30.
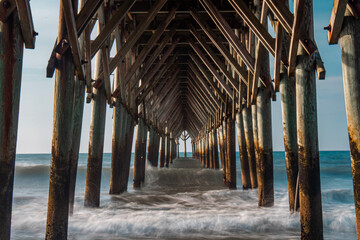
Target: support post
x=249, y=139
x=288, y=107
x=350, y=52
x=11, y=55
x=215, y=149
x=244, y=161
x=171, y=147
x=162, y=151
x=151, y=147
x=230, y=153
x=138, y=158
x=307, y=133
x=167, y=149
x=96, y=142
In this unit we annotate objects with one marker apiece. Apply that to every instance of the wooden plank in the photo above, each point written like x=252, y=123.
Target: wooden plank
x=229, y=34
x=222, y=49
x=86, y=14
x=136, y=34
x=105, y=61
x=278, y=53
x=110, y=26
x=211, y=68
x=259, y=56
x=206, y=76
x=6, y=8
x=258, y=29
x=154, y=38
x=73, y=37
x=336, y=21
x=295, y=35
x=286, y=19
x=215, y=58
x=26, y=23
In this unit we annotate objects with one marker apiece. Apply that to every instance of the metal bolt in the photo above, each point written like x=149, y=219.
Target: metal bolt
x=328, y=28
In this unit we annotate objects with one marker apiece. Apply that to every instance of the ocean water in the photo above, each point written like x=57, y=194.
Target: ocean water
x=182, y=203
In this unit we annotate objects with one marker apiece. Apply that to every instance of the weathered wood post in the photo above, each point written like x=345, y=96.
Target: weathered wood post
x=162, y=151
x=171, y=147
x=129, y=136
x=143, y=151
x=156, y=150
x=150, y=157
x=138, y=158
x=350, y=53
x=210, y=149
x=177, y=149
x=244, y=161
x=230, y=152
x=167, y=148
x=221, y=148
x=264, y=164
x=249, y=139
x=215, y=149
x=96, y=142
x=58, y=203
x=207, y=155
x=79, y=98
x=288, y=107
x=307, y=133
x=11, y=55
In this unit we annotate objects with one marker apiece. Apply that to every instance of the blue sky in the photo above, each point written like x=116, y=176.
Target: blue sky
x=37, y=91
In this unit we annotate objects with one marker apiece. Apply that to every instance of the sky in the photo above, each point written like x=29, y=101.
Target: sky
x=37, y=91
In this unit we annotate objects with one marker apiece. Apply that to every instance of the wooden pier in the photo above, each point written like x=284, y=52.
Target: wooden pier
x=172, y=70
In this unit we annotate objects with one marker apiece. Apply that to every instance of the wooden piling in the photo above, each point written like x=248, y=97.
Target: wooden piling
x=210, y=150
x=118, y=143
x=307, y=133
x=96, y=141
x=138, y=157
x=350, y=53
x=129, y=136
x=11, y=55
x=244, y=161
x=230, y=153
x=151, y=147
x=162, y=151
x=221, y=148
x=167, y=150
x=171, y=147
x=288, y=107
x=58, y=201
x=215, y=149
x=249, y=139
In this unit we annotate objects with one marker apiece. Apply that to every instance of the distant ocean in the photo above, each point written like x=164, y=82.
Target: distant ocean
x=182, y=204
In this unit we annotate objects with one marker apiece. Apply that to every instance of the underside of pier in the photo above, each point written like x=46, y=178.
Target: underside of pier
x=174, y=70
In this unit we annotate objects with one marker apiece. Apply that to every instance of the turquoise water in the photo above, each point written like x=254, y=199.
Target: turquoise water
x=182, y=203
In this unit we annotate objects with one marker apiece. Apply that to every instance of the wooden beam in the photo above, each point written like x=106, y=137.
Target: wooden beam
x=86, y=14
x=26, y=23
x=73, y=37
x=136, y=34
x=145, y=51
x=278, y=52
x=222, y=49
x=336, y=21
x=215, y=58
x=259, y=57
x=211, y=68
x=205, y=74
x=258, y=29
x=110, y=26
x=229, y=34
